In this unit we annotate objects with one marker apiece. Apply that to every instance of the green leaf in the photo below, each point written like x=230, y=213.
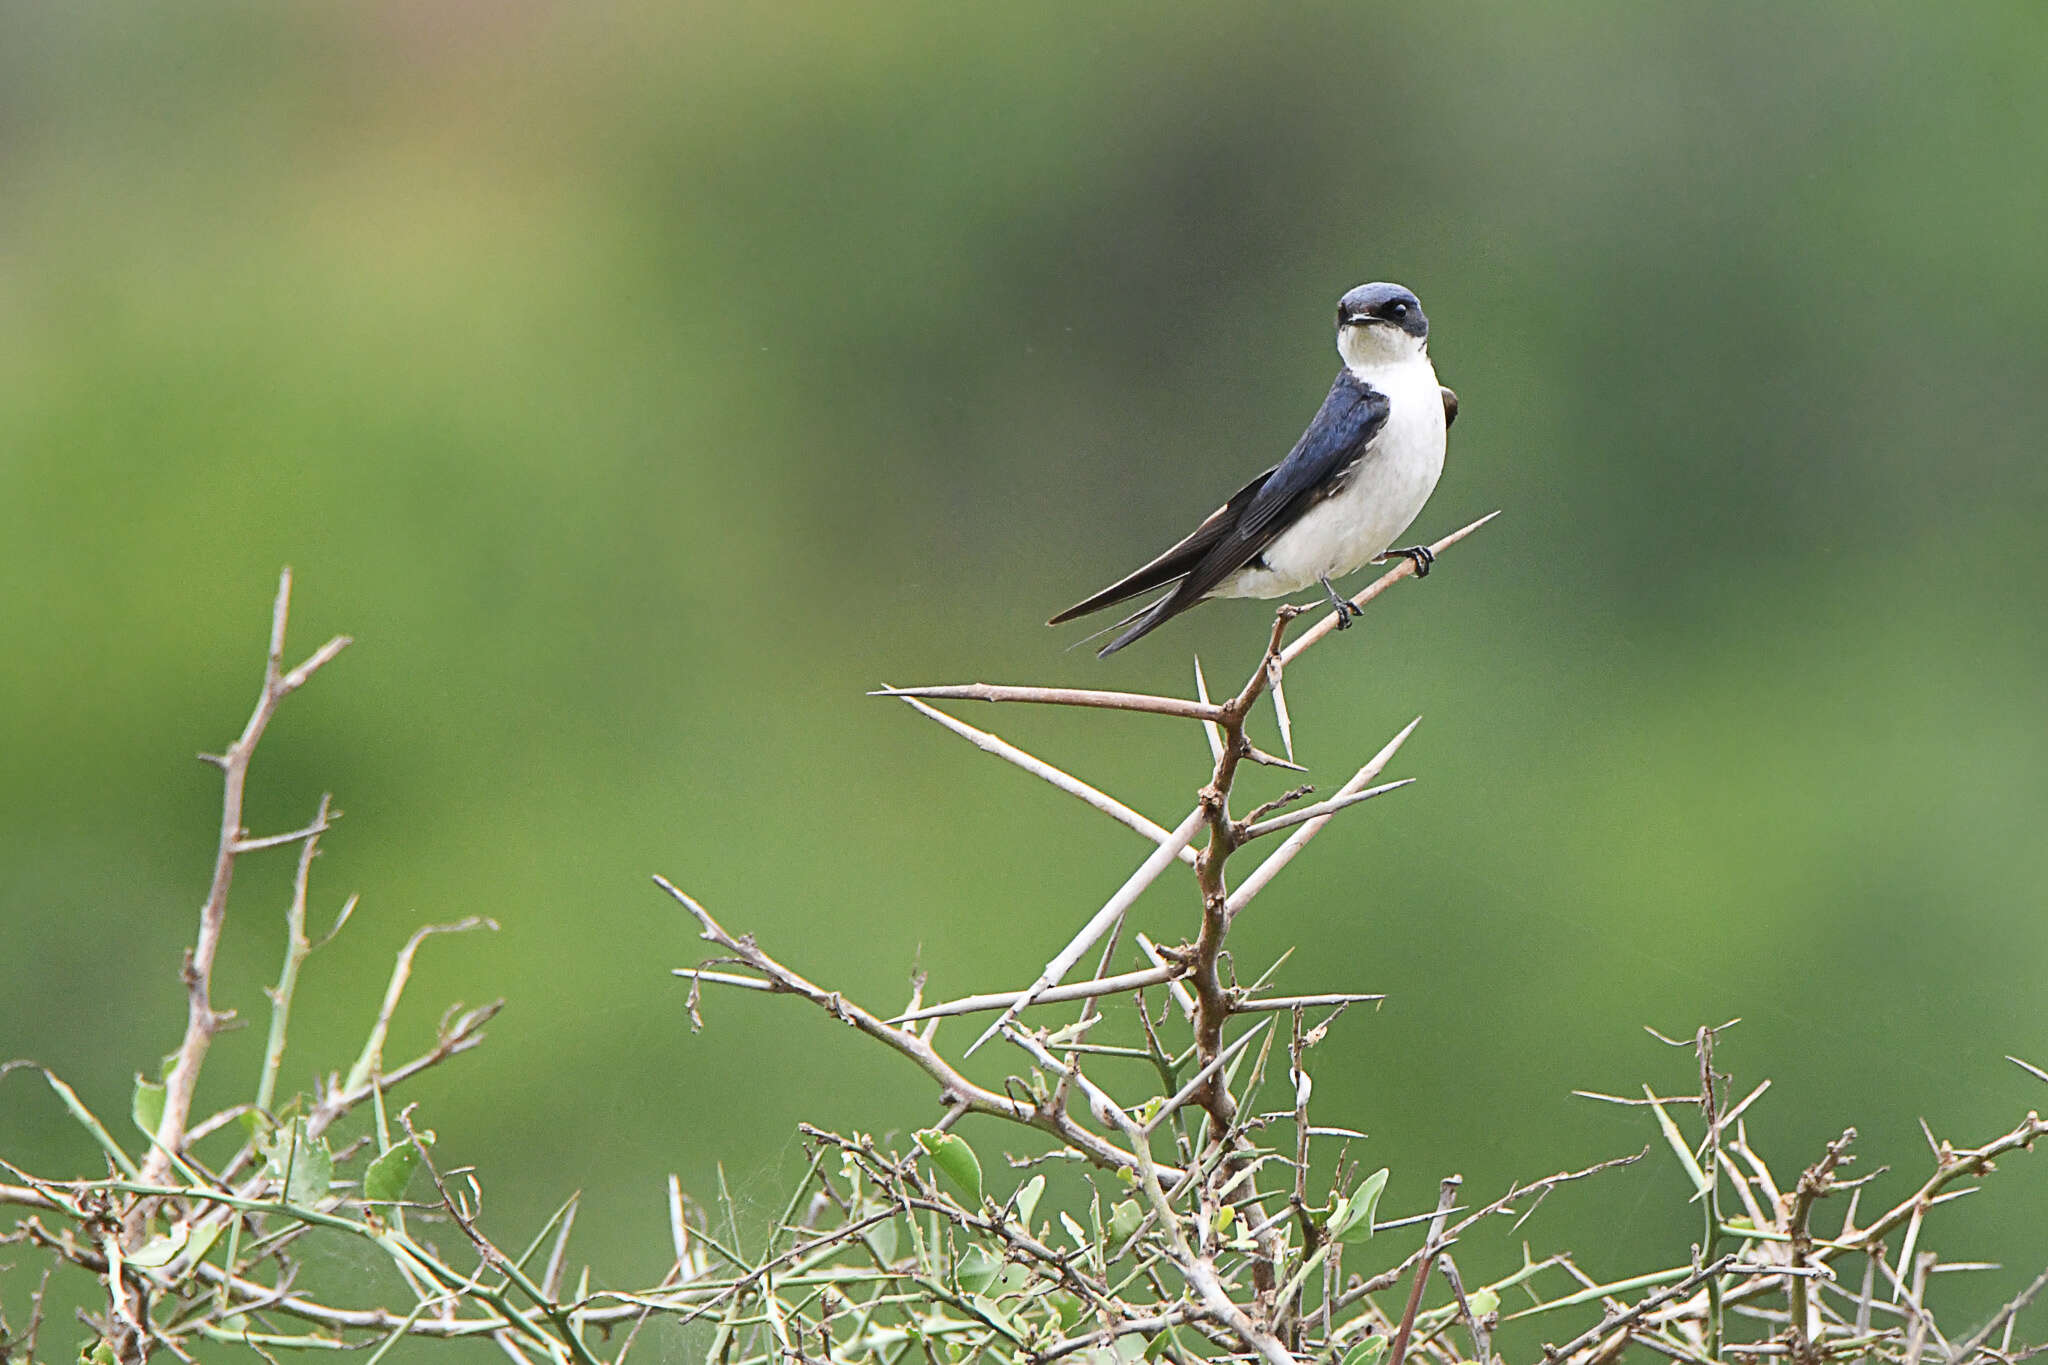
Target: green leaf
x=1069, y=1307
x=159, y=1251
x=1351, y=1220
x=951, y=1154
x=1225, y=1216
x=1027, y=1200
x=1124, y=1218
x=977, y=1270
x=1482, y=1302
x=1074, y=1230
x=256, y=1124
x=148, y=1106
x=1165, y=1346
x=302, y=1165
x=1368, y=1352
x=181, y=1240
x=385, y=1181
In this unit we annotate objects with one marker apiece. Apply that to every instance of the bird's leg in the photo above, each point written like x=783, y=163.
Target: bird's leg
x=1422, y=555
x=1345, y=611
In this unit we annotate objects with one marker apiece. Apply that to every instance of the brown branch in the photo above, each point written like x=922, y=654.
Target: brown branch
x=1318, y=811
x=1998, y=1320
x=1516, y=1193
x=1404, y=569
x=1621, y=1320
x=1432, y=1247
x=202, y=1020
x=1280, y=857
x=1950, y=1166
x=1814, y=1182
x=955, y=1090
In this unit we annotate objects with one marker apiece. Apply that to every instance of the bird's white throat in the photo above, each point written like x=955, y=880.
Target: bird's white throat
x=1369, y=349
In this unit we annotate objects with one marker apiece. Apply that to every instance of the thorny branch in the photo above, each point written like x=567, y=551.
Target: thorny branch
x=1208, y=1224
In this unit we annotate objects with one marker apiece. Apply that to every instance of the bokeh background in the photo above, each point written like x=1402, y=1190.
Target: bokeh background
x=640, y=384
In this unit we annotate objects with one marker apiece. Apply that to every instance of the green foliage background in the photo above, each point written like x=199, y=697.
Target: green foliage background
x=639, y=384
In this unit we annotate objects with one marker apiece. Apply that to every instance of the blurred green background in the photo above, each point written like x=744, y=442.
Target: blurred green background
x=639, y=385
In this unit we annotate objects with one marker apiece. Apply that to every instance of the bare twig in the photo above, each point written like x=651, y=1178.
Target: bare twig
x=1059, y=696
x=1051, y=995
x=203, y=1021
x=955, y=1090
x=1432, y=1247
x=1064, y=781
x=1404, y=569
x=1091, y=933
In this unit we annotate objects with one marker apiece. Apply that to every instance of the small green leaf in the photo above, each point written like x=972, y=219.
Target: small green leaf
x=977, y=1270
x=181, y=1240
x=1368, y=1352
x=1482, y=1302
x=1166, y=1346
x=385, y=1181
x=1124, y=1218
x=148, y=1106
x=1027, y=1200
x=951, y=1154
x=1130, y=1346
x=1074, y=1231
x=1351, y=1220
x=302, y=1165
x=1225, y=1216
x=159, y=1251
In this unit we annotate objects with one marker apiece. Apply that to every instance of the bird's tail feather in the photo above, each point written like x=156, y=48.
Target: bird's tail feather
x=1142, y=623
x=1093, y=636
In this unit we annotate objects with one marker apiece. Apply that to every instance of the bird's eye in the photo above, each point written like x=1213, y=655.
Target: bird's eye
x=1397, y=309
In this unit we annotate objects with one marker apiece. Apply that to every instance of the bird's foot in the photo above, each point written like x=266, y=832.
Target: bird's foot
x=1421, y=555
x=1342, y=605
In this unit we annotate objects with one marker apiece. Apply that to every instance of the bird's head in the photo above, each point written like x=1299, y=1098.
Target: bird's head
x=1380, y=324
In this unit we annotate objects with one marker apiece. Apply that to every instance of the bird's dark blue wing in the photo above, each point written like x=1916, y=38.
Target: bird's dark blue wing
x=1330, y=449
x=1320, y=464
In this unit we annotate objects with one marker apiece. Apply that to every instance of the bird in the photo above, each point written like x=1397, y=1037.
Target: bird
x=1353, y=483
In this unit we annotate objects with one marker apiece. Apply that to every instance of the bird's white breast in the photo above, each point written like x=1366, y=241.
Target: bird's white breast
x=1343, y=533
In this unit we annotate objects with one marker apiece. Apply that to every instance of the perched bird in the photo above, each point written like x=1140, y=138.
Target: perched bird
x=1353, y=482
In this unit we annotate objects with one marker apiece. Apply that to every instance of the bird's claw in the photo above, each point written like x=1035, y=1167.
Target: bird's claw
x=1421, y=556
x=1342, y=606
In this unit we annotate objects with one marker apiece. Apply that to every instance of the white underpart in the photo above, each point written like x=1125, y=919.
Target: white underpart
x=1342, y=534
